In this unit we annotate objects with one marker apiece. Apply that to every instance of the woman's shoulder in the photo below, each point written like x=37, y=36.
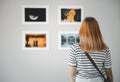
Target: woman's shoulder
x=76, y=45
x=106, y=50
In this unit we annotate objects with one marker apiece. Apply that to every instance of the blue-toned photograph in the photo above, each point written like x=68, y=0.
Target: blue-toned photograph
x=69, y=39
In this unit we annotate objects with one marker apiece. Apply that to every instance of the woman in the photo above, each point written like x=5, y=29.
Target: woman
x=91, y=41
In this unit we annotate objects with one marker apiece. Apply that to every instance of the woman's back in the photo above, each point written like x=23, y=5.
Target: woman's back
x=85, y=68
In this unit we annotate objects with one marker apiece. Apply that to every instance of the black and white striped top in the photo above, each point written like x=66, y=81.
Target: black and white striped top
x=85, y=69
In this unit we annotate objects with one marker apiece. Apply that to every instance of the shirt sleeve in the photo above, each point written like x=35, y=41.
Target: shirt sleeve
x=72, y=58
x=107, y=62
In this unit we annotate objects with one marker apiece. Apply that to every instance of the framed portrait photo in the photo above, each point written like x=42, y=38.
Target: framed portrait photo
x=35, y=40
x=67, y=39
x=35, y=14
x=70, y=14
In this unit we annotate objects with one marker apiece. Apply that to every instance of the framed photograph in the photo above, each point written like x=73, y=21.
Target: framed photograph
x=35, y=14
x=70, y=14
x=67, y=39
x=35, y=40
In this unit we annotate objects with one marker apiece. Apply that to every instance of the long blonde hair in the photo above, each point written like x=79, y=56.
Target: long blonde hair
x=90, y=35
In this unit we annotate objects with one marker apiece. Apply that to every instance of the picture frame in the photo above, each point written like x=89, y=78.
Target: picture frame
x=67, y=38
x=33, y=14
x=70, y=14
x=35, y=40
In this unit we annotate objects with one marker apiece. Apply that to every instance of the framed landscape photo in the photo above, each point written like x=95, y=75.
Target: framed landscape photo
x=35, y=14
x=70, y=14
x=35, y=40
x=67, y=39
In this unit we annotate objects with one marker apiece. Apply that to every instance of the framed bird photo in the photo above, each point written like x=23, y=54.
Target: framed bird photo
x=35, y=40
x=67, y=39
x=35, y=14
x=70, y=14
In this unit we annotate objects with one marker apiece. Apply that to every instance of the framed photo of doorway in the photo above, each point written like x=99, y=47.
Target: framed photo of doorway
x=35, y=40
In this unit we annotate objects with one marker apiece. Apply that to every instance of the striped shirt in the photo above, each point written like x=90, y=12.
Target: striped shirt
x=85, y=68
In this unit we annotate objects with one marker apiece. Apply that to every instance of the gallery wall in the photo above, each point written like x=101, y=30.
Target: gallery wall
x=50, y=65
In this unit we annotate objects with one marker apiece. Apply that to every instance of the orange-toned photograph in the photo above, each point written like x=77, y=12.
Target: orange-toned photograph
x=35, y=40
x=70, y=15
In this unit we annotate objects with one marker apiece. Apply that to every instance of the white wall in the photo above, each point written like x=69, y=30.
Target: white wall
x=17, y=65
